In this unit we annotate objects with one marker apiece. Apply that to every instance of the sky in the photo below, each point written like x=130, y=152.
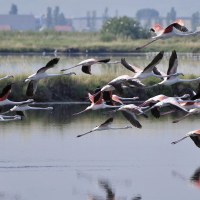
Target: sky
x=78, y=8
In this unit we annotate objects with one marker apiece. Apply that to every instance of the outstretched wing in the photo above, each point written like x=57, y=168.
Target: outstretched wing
x=173, y=64
x=179, y=25
x=31, y=89
x=197, y=96
x=107, y=122
x=5, y=92
x=131, y=118
x=86, y=69
x=154, y=62
x=130, y=67
x=49, y=65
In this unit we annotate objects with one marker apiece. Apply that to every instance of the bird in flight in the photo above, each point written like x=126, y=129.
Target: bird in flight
x=104, y=126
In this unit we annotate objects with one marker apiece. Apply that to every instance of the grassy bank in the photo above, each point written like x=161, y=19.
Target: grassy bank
x=75, y=88
x=87, y=42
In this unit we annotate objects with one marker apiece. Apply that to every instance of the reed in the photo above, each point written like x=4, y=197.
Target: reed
x=87, y=42
x=76, y=88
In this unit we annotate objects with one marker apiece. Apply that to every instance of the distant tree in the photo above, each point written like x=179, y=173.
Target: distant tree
x=105, y=14
x=93, y=21
x=49, y=18
x=55, y=16
x=147, y=13
x=88, y=18
x=171, y=16
x=195, y=20
x=13, y=9
x=124, y=27
x=61, y=19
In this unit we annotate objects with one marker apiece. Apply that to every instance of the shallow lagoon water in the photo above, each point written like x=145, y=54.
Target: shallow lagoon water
x=41, y=158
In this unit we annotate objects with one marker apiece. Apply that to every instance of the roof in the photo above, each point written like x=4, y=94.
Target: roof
x=63, y=28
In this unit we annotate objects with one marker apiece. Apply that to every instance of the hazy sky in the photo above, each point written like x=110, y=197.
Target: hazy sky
x=73, y=8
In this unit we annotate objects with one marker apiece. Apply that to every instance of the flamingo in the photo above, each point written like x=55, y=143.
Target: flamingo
x=111, y=98
x=96, y=103
x=147, y=71
x=169, y=101
x=4, y=97
x=190, y=112
x=41, y=74
x=172, y=70
x=6, y=77
x=120, y=82
x=104, y=126
x=25, y=106
x=4, y=118
x=129, y=112
x=194, y=135
x=86, y=64
x=169, y=31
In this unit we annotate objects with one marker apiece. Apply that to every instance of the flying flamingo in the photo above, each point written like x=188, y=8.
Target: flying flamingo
x=129, y=112
x=5, y=118
x=86, y=64
x=194, y=135
x=121, y=82
x=110, y=98
x=6, y=77
x=190, y=112
x=25, y=106
x=104, y=126
x=41, y=74
x=148, y=71
x=169, y=31
x=96, y=103
x=4, y=97
x=169, y=101
x=172, y=70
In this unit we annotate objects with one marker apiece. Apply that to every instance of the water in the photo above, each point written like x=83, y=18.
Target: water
x=15, y=65
x=41, y=157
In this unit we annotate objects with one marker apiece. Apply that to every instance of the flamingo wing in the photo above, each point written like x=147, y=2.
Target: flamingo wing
x=31, y=89
x=154, y=62
x=197, y=95
x=107, y=122
x=158, y=72
x=86, y=69
x=135, y=82
x=106, y=60
x=129, y=66
x=179, y=25
x=5, y=92
x=173, y=64
x=49, y=65
x=130, y=116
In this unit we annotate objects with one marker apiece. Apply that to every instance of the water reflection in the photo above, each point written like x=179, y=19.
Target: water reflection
x=194, y=179
x=109, y=191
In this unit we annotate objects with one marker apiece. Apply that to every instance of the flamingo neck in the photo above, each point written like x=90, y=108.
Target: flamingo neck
x=175, y=142
x=189, y=80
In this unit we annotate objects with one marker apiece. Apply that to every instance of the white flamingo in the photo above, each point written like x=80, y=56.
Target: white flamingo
x=104, y=126
x=4, y=97
x=194, y=135
x=172, y=70
x=86, y=64
x=149, y=70
x=41, y=74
